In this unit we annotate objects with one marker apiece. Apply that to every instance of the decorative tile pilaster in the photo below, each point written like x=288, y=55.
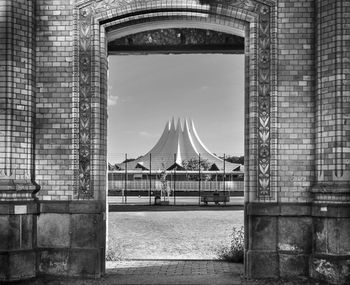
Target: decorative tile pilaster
x=264, y=102
x=85, y=72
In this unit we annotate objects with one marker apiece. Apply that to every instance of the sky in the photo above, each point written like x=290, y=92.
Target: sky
x=145, y=91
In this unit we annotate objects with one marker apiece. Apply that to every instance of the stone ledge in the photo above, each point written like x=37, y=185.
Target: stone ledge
x=331, y=210
x=71, y=207
x=274, y=209
x=11, y=207
x=337, y=210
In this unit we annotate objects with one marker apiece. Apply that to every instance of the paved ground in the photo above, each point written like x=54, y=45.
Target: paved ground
x=169, y=272
x=175, y=272
x=158, y=272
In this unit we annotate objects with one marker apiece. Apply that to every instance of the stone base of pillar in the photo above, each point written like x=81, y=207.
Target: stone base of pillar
x=65, y=238
x=71, y=238
x=279, y=240
x=18, y=238
x=291, y=241
x=330, y=261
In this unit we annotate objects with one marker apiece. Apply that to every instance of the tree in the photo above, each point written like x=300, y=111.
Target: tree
x=165, y=190
x=194, y=164
x=235, y=159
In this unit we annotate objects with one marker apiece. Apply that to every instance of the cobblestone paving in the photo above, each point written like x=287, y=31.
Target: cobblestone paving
x=175, y=272
x=172, y=267
x=187, y=272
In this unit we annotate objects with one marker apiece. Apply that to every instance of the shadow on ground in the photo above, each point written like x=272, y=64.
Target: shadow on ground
x=169, y=272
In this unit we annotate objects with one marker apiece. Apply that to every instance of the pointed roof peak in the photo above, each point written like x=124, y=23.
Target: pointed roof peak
x=179, y=126
x=168, y=125
x=192, y=125
x=185, y=124
x=172, y=124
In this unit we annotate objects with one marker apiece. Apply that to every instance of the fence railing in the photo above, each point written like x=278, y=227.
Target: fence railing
x=177, y=185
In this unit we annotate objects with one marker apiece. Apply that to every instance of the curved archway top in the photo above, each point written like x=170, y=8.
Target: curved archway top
x=176, y=40
x=121, y=32
x=106, y=10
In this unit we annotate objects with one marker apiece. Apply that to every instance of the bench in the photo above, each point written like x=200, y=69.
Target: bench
x=215, y=197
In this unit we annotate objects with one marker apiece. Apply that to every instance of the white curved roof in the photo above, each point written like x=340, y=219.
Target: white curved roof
x=177, y=144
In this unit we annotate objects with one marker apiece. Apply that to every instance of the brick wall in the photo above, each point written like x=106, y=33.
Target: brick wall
x=296, y=77
x=16, y=96
x=54, y=103
x=38, y=144
x=296, y=105
x=333, y=96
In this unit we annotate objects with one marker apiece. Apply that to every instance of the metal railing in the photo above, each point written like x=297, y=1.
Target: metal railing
x=145, y=184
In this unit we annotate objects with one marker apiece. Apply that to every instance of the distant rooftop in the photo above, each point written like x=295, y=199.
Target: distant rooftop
x=177, y=144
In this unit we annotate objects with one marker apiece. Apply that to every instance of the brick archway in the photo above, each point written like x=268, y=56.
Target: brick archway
x=53, y=130
x=100, y=21
x=254, y=20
